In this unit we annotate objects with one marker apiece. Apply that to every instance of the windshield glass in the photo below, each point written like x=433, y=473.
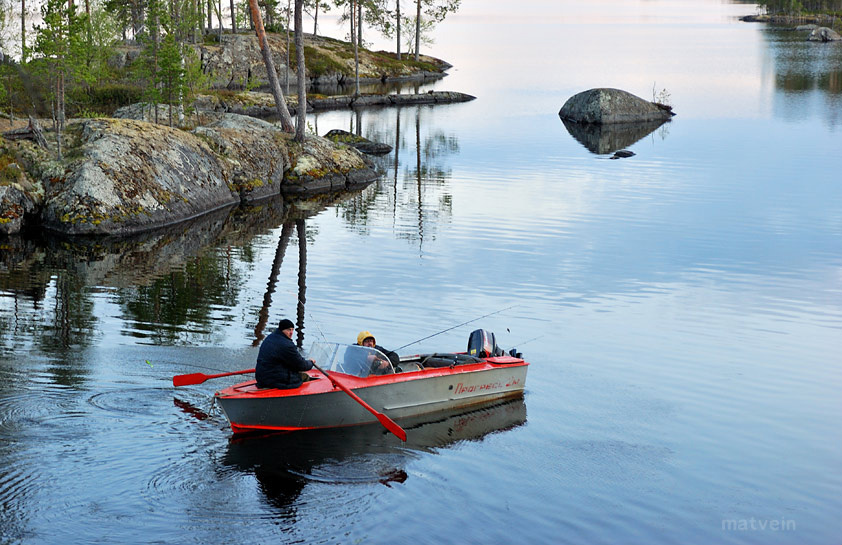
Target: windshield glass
x=350, y=359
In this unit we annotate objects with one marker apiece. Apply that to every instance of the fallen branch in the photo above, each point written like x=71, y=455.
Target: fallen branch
x=31, y=132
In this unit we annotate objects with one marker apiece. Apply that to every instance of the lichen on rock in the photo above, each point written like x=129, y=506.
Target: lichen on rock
x=129, y=176
x=124, y=176
x=320, y=165
x=256, y=153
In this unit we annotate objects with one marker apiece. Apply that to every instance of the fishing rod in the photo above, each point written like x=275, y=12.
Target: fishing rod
x=454, y=327
x=529, y=341
x=513, y=352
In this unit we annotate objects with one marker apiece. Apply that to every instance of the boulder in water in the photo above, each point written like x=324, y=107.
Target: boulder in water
x=604, y=106
x=362, y=144
x=824, y=34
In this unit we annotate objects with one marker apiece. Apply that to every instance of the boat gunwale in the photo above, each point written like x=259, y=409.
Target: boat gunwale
x=320, y=385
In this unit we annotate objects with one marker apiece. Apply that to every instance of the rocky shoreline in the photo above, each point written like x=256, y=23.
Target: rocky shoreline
x=125, y=176
x=234, y=62
x=258, y=104
x=795, y=20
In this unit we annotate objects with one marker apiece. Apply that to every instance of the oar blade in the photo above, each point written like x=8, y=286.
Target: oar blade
x=187, y=380
x=387, y=422
x=198, y=378
x=392, y=426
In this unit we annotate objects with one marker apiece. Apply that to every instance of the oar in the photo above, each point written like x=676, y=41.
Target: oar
x=387, y=422
x=198, y=378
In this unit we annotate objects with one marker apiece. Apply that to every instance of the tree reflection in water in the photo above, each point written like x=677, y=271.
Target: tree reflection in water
x=803, y=69
x=263, y=315
x=172, y=286
x=418, y=196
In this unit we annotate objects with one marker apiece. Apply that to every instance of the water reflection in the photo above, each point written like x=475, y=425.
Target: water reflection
x=804, y=70
x=284, y=463
x=418, y=198
x=603, y=139
x=280, y=251
x=179, y=285
x=380, y=88
x=168, y=285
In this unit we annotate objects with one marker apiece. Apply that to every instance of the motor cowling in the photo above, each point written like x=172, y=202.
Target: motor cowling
x=482, y=344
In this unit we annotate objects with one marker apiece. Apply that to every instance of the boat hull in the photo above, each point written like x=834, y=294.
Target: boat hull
x=317, y=404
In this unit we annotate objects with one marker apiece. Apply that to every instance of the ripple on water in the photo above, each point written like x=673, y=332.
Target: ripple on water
x=40, y=411
x=133, y=401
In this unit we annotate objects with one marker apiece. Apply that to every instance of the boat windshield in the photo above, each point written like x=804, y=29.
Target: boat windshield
x=350, y=359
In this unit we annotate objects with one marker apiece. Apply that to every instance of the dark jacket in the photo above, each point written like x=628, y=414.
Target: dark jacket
x=279, y=362
x=393, y=356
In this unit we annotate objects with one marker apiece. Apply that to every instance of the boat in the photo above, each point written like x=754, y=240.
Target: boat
x=351, y=393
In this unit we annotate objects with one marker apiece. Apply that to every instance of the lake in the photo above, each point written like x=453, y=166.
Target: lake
x=681, y=310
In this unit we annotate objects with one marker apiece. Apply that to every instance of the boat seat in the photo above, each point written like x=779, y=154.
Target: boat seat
x=408, y=367
x=448, y=360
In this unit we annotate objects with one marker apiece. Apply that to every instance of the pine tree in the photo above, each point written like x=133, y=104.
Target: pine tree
x=59, y=41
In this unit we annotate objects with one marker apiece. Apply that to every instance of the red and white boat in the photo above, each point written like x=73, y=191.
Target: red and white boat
x=416, y=385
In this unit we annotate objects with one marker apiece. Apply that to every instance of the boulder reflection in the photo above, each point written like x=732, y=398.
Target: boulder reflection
x=284, y=463
x=604, y=139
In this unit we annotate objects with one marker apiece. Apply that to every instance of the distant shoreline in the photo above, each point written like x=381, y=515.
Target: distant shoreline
x=813, y=18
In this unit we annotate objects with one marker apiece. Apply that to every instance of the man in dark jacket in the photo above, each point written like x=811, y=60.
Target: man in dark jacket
x=279, y=363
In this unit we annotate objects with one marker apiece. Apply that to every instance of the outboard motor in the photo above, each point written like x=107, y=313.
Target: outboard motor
x=482, y=344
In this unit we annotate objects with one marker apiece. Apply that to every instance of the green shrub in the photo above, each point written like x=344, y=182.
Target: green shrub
x=105, y=98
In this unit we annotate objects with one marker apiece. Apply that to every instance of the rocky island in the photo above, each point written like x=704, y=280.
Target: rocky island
x=123, y=174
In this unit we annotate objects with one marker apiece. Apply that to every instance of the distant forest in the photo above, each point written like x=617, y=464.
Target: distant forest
x=795, y=7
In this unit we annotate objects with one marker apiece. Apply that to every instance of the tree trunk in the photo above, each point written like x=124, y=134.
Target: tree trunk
x=359, y=23
x=302, y=73
x=286, y=72
x=353, y=19
x=197, y=18
x=210, y=15
x=23, y=31
x=156, y=44
x=356, y=49
x=11, y=102
x=280, y=103
x=233, y=18
x=417, y=29
x=398, y=4
x=316, y=19
x=135, y=20
x=57, y=116
x=219, y=18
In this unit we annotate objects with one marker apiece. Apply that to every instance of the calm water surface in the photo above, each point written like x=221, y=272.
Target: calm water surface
x=681, y=309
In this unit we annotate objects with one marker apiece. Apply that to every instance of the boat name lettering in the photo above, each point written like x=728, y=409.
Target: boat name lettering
x=462, y=389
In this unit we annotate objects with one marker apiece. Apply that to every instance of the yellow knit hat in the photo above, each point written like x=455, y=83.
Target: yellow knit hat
x=363, y=336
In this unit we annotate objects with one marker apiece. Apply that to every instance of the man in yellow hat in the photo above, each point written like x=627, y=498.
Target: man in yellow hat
x=379, y=367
